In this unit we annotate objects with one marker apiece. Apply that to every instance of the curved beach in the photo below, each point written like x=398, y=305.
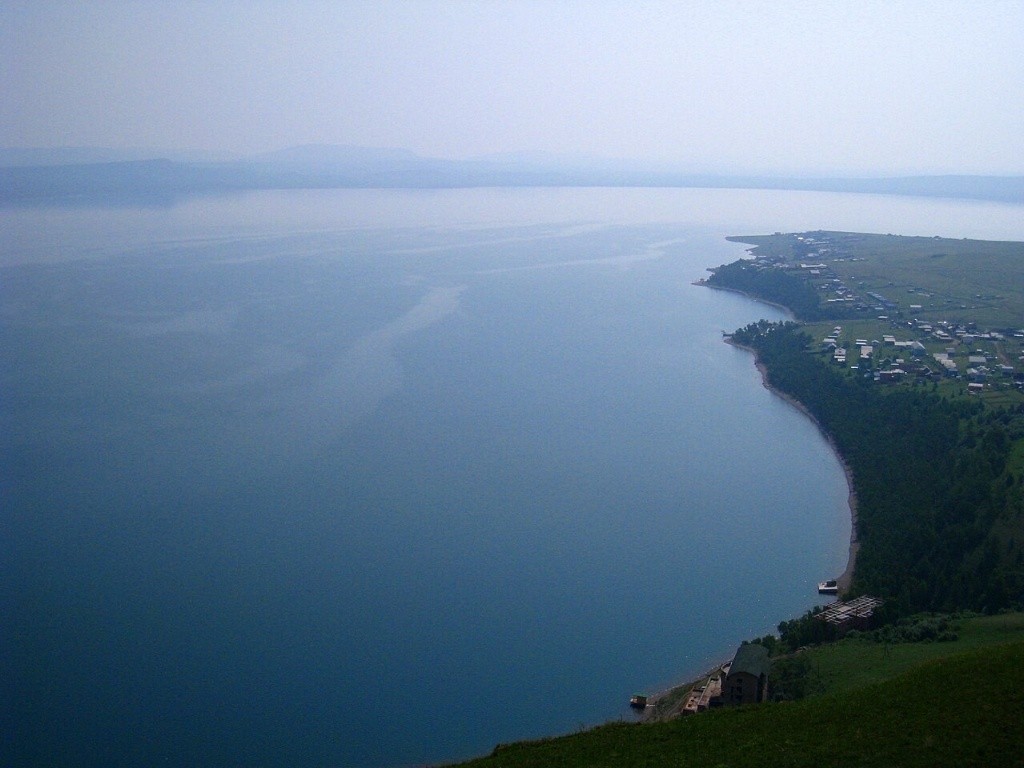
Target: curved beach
x=846, y=577
x=667, y=703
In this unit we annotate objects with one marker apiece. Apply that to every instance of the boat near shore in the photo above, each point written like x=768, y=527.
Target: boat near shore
x=830, y=587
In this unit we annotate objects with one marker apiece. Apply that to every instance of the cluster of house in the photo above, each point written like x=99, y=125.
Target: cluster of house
x=840, y=354
x=981, y=366
x=979, y=372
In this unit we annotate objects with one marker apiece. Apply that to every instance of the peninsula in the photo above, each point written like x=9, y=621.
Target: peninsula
x=909, y=356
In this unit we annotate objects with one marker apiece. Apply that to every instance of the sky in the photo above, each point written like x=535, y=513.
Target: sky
x=797, y=87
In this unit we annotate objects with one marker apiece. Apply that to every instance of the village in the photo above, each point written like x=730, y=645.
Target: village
x=906, y=339
x=960, y=357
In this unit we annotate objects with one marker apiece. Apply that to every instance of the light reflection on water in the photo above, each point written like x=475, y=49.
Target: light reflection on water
x=83, y=231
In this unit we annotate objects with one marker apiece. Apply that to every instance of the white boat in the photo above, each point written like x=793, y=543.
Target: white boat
x=830, y=587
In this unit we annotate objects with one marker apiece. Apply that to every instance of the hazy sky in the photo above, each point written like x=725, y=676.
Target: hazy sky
x=800, y=86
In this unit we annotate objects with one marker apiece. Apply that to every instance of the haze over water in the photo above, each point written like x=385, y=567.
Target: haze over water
x=387, y=477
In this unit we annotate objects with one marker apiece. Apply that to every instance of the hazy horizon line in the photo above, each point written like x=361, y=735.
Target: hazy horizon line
x=81, y=154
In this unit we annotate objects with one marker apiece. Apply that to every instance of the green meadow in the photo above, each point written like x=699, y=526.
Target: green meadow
x=968, y=281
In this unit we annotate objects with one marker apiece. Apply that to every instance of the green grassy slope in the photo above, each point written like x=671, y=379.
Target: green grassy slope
x=960, y=710
x=854, y=663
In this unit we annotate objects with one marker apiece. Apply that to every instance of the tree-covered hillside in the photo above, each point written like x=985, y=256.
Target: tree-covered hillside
x=774, y=285
x=940, y=504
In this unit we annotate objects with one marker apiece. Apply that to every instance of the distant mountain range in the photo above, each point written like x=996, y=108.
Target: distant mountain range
x=73, y=175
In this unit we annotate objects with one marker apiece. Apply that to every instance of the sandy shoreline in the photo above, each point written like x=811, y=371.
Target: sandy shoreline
x=847, y=575
x=652, y=711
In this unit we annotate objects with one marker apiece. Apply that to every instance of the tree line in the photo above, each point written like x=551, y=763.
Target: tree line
x=940, y=509
x=774, y=285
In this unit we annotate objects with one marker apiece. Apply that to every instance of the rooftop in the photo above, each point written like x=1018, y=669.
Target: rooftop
x=751, y=658
x=840, y=613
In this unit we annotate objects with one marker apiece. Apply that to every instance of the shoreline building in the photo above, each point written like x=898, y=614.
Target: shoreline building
x=747, y=681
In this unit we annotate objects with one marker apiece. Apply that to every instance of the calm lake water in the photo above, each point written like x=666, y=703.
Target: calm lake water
x=378, y=478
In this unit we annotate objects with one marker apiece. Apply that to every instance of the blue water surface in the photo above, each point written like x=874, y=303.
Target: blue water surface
x=368, y=478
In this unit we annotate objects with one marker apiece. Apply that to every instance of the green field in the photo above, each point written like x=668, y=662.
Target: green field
x=912, y=704
x=962, y=298
x=854, y=662
x=964, y=281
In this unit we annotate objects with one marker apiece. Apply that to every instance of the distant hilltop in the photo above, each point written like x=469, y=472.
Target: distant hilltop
x=81, y=174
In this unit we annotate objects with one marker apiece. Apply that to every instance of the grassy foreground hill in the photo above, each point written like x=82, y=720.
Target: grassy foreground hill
x=952, y=703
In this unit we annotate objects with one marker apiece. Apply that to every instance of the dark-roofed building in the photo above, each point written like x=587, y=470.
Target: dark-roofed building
x=747, y=681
